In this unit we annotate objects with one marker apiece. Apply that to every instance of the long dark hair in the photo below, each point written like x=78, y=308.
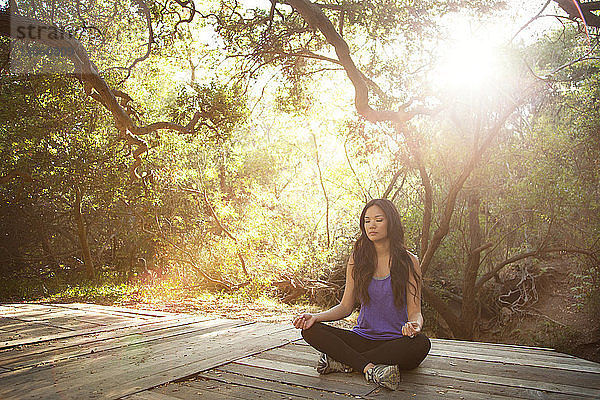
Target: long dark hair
x=400, y=261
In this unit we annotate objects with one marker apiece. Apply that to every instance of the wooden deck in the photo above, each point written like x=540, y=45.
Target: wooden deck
x=84, y=351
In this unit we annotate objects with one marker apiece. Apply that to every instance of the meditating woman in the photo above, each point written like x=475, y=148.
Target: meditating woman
x=385, y=278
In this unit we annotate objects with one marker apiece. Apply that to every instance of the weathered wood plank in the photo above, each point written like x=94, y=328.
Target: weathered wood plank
x=363, y=389
x=18, y=326
x=150, y=395
x=42, y=375
x=116, y=373
x=521, y=361
x=537, y=378
x=26, y=333
x=25, y=326
x=271, y=364
x=27, y=307
x=546, y=361
x=87, y=337
x=31, y=357
x=428, y=392
x=6, y=323
x=275, y=386
x=116, y=310
x=51, y=337
x=518, y=386
x=521, y=356
x=88, y=360
x=530, y=373
x=291, y=356
x=522, y=385
x=359, y=378
x=25, y=314
x=324, y=382
x=215, y=354
x=71, y=323
x=214, y=389
x=253, y=360
x=506, y=346
x=505, y=356
x=190, y=393
x=577, y=378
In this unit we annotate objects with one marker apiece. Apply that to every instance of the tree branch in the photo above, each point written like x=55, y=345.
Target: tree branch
x=94, y=85
x=214, y=215
x=146, y=13
x=393, y=181
x=444, y=227
x=315, y=18
x=531, y=20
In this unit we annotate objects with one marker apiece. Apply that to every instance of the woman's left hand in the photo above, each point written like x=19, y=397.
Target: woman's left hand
x=411, y=328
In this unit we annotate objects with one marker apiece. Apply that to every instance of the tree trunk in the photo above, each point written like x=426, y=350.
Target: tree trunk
x=444, y=311
x=46, y=246
x=469, y=305
x=82, y=234
x=317, y=160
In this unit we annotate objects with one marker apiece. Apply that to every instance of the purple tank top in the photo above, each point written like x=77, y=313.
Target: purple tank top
x=381, y=319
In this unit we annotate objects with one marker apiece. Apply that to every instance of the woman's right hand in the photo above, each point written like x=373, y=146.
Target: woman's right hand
x=304, y=321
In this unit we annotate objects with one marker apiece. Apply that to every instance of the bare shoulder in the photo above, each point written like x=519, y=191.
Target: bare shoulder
x=414, y=259
x=351, y=258
x=413, y=256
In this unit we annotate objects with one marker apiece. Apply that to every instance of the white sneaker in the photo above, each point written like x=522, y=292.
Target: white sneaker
x=327, y=365
x=384, y=375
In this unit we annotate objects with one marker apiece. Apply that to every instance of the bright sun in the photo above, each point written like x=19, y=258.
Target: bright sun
x=469, y=64
x=469, y=61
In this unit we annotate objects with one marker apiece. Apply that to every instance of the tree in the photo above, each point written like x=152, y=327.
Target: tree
x=303, y=39
x=24, y=23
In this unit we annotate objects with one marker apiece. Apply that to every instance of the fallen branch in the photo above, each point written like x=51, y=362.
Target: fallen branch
x=293, y=287
x=229, y=286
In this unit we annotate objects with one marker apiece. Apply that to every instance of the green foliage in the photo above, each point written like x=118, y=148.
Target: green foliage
x=550, y=334
x=53, y=154
x=222, y=108
x=65, y=286
x=280, y=165
x=587, y=293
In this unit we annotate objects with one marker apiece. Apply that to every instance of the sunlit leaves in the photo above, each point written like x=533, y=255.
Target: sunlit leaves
x=222, y=108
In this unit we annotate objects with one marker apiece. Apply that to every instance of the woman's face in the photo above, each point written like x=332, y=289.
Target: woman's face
x=376, y=224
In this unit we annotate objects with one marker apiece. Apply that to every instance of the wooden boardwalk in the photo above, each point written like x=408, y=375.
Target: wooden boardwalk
x=84, y=351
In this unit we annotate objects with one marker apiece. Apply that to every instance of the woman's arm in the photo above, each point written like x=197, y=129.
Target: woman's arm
x=339, y=311
x=413, y=301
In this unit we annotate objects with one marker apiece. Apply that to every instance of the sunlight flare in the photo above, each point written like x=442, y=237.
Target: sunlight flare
x=470, y=62
x=468, y=65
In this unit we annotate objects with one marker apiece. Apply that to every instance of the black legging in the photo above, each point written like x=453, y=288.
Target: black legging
x=356, y=351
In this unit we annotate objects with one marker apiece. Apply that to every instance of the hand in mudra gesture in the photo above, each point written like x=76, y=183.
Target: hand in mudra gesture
x=304, y=321
x=411, y=328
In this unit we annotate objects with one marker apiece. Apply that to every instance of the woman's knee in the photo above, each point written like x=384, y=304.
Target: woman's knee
x=309, y=333
x=423, y=345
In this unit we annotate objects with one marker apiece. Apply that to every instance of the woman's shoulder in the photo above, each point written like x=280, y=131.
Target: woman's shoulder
x=412, y=255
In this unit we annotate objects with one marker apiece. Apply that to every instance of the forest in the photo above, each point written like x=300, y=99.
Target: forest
x=165, y=152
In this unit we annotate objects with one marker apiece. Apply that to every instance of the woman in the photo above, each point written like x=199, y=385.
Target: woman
x=386, y=280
